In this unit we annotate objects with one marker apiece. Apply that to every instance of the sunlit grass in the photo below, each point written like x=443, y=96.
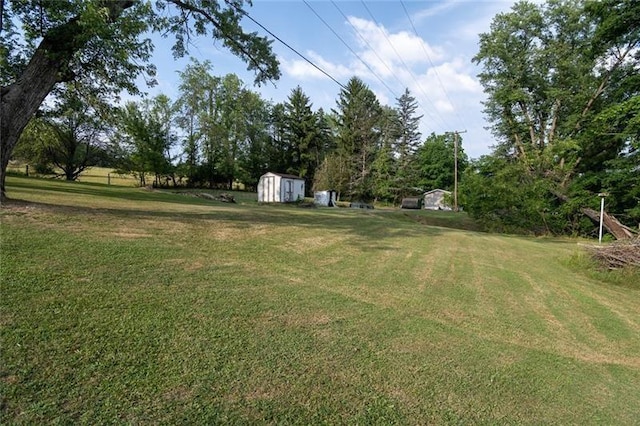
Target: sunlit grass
x=134, y=306
x=102, y=175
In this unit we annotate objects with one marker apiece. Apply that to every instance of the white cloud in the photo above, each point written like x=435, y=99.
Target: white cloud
x=383, y=97
x=393, y=48
x=303, y=70
x=434, y=10
x=448, y=93
x=454, y=76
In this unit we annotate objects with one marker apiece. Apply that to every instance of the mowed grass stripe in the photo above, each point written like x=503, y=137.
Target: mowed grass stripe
x=146, y=307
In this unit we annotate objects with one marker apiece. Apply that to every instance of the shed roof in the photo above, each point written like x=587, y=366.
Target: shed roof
x=284, y=175
x=437, y=190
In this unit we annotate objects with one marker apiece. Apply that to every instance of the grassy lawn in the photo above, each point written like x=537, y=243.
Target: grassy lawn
x=123, y=305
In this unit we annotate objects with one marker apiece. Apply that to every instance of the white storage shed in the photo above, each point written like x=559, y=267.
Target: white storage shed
x=280, y=188
x=325, y=198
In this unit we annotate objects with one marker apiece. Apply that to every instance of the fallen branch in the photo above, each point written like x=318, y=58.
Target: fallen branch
x=620, y=254
x=224, y=197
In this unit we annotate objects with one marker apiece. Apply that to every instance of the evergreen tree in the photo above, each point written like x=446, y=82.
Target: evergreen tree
x=385, y=165
x=304, y=136
x=406, y=145
x=358, y=119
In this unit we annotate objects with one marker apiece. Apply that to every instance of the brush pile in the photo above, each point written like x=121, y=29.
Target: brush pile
x=620, y=254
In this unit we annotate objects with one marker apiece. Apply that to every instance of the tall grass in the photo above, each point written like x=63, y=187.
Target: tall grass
x=122, y=305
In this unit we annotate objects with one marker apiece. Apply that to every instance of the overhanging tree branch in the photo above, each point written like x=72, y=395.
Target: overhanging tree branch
x=213, y=20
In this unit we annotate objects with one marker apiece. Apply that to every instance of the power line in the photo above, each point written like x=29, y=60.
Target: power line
x=349, y=47
x=405, y=66
x=243, y=12
x=375, y=53
x=367, y=43
x=424, y=48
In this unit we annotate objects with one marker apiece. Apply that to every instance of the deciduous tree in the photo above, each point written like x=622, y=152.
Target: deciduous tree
x=436, y=162
x=303, y=136
x=148, y=139
x=556, y=75
x=46, y=43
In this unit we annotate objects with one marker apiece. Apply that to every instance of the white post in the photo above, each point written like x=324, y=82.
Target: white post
x=455, y=173
x=601, y=217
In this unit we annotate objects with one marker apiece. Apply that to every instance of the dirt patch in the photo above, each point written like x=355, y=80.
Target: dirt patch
x=263, y=393
x=128, y=235
x=179, y=393
x=295, y=320
x=306, y=245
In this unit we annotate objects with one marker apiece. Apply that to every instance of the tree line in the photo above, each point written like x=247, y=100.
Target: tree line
x=563, y=102
x=219, y=133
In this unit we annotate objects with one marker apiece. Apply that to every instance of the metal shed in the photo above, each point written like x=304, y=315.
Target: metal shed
x=280, y=188
x=435, y=200
x=412, y=203
x=325, y=198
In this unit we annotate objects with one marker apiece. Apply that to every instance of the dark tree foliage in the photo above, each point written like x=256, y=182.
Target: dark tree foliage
x=147, y=140
x=358, y=115
x=252, y=158
x=406, y=145
x=388, y=183
x=304, y=136
x=504, y=197
x=68, y=136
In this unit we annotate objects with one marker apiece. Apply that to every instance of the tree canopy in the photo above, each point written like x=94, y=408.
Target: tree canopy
x=102, y=43
x=563, y=87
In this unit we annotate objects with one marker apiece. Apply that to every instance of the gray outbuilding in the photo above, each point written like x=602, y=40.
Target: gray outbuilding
x=435, y=200
x=325, y=198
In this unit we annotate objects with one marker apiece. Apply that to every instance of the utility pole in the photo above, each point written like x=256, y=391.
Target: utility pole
x=456, y=134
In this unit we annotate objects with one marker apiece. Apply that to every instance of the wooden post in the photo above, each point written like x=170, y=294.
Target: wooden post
x=26, y=171
x=456, y=135
x=108, y=178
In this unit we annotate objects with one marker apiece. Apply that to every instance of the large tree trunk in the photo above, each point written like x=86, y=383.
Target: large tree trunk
x=612, y=224
x=48, y=66
x=21, y=100
x=609, y=222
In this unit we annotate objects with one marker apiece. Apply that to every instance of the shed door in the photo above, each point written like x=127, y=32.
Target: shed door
x=288, y=190
x=271, y=189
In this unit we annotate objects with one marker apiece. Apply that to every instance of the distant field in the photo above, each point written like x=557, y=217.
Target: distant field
x=91, y=175
x=126, y=305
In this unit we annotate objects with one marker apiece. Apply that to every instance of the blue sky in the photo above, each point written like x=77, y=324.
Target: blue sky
x=434, y=61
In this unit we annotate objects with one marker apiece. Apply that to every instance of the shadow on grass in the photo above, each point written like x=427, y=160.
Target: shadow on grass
x=370, y=227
